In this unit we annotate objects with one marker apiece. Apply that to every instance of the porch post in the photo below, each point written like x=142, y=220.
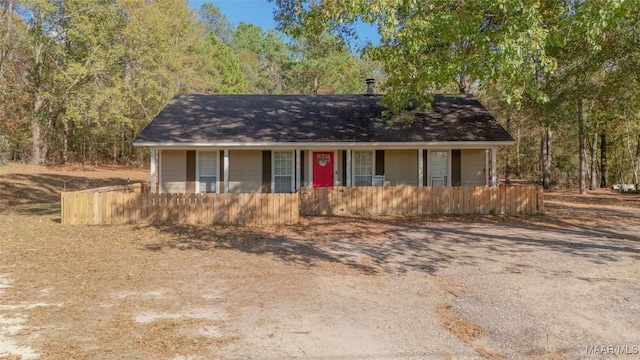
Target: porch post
x=297, y=169
x=420, y=168
x=310, y=162
x=335, y=168
x=226, y=171
x=348, y=165
x=154, y=171
x=494, y=177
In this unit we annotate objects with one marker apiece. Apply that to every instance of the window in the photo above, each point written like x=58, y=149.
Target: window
x=283, y=171
x=207, y=171
x=362, y=168
x=439, y=168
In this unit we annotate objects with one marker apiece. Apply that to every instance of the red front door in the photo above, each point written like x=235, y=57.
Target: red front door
x=322, y=169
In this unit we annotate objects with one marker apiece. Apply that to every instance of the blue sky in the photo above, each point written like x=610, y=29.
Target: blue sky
x=260, y=12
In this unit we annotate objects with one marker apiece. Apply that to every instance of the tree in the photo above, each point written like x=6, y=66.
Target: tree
x=216, y=22
x=323, y=65
x=262, y=56
x=217, y=68
x=85, y=76
x=432, y=44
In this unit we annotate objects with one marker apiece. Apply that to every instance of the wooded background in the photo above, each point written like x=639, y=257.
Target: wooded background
x=80, y=78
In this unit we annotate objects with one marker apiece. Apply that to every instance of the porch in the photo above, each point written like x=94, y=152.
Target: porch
x=289, y=170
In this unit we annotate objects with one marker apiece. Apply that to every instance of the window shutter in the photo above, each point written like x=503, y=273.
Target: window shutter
x=379, y=162
x=191, y=172
x=425, y=167
x=266, y=171
x=343, y=181
x=221, y=172
x=456, y=168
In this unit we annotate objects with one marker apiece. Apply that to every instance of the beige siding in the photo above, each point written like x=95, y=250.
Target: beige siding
x=173, y=168
x=472, y=167
x=401, y=167
x=245, y=171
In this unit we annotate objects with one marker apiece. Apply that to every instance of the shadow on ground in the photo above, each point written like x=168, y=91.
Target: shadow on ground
x=422, y=244
x=39, y=194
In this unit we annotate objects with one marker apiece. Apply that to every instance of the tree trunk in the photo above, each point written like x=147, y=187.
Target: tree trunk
x=65, y=142
x=507, y=175
x=8, y=20
x=549, y=139
x=518, y=137
x=583, y=152
x=545, y=155
x=635, y=162
x=463, y=83
x=604, y=170
x=594, y=155
x=37, y=151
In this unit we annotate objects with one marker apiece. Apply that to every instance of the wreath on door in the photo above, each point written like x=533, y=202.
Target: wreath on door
x=323, y=159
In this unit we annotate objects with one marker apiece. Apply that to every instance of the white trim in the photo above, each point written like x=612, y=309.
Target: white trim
x=332, y=145
x=153, y=170
x=348, y=165
x=160, y=171
x=335, y=168
x=310, y=181
x=420, y=168
x=297, y=184
x=226, y=171
x=494, y=178
x=449, y=169
x=373, y=165
x=273, y=170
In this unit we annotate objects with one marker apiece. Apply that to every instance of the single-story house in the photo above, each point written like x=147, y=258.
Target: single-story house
x=282, y=143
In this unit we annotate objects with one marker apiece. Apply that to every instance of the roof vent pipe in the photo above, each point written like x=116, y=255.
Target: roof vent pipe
x=370, y=83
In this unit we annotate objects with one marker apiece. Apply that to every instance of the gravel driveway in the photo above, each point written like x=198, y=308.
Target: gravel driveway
x=546, y=287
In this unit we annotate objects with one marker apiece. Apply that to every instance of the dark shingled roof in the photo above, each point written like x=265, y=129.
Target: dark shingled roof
x=220, y=119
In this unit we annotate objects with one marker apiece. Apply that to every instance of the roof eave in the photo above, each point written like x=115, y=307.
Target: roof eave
x=324, y=145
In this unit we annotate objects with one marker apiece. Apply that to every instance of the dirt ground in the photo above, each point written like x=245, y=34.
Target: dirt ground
x=560, y=286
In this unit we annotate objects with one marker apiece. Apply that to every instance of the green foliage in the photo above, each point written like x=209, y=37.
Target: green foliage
x=323, y=65
x=530, y=60
x=215, y=22
x=262, y=56
x=427, y=45
x=99, y=71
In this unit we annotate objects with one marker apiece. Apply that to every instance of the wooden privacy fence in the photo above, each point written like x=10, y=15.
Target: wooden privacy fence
x=120, y=206
x=407, y=200
x=132, y=205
